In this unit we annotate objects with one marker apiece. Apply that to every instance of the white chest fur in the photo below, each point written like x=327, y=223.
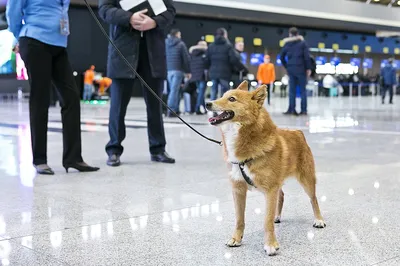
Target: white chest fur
x=231, y=132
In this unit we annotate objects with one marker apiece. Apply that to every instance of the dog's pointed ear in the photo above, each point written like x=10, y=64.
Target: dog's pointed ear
x=260, y=94
x=244, y=86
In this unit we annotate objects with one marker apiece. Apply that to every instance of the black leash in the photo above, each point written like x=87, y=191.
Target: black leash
x=142, y=80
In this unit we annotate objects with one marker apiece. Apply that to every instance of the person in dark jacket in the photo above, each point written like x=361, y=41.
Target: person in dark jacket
x=141, y=40
x=178, y=64
x=198, y=68
x=239, y=75
x=295, y=58
x=389, y=81
x=222, y=60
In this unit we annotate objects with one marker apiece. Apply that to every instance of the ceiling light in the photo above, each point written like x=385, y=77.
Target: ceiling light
x=398, y=3
x=376, y=0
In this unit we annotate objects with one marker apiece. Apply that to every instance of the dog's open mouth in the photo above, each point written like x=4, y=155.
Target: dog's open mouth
x=221, y=117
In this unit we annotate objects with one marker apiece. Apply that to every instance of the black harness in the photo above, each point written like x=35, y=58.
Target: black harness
x=245, y=176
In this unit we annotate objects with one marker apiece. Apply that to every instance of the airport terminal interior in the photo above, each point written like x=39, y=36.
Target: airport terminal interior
x=155, y=214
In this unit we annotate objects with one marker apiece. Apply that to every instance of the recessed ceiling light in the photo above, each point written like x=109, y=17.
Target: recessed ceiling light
x=376, y=0
x=398, y=3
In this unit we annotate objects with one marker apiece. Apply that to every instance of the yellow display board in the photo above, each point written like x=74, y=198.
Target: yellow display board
x=321, y=45
x=209, y=38
x=368, y=49
x=239, y=39
x=385, y=50
x=257, y=42
x=281, y=43
x=396, y=50
x=335, y=46
x=356, y=48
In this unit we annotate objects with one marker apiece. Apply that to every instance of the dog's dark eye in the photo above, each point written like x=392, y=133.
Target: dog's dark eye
x=232, y=99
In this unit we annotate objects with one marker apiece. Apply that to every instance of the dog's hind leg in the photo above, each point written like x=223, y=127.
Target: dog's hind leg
x=309, y=183
x=279, y=207
x=239, y=190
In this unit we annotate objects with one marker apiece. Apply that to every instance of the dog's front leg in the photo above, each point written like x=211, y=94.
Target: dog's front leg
x=239, y=190
x=271, y=245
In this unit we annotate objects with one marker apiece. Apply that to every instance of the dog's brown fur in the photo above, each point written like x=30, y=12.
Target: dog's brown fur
x=277, y=154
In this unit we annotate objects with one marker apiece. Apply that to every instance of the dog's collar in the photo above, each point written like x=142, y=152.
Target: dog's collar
x=241, y=167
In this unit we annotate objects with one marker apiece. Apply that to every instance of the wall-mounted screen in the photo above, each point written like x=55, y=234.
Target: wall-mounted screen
x=320, y=60
x=384, y=62
x=335, y=61
x=355, y=62
x=256, y=59
x=367, y=63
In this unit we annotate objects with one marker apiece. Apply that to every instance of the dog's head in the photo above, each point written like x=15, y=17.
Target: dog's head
x=238, y=106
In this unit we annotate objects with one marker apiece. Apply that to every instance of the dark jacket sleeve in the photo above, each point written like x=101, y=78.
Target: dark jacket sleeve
x=207, y=61
x=111, y=13
x=185, y=58
x=166, y=18
x=306, y=54
x=234, y=59
x=283, y=56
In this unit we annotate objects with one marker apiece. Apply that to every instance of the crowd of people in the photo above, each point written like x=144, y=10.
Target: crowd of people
x=219, y=62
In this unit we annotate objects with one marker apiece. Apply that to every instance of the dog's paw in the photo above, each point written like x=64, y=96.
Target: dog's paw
x=234, y=243
x=319, y=224
x=277, y=220
x=271, y=250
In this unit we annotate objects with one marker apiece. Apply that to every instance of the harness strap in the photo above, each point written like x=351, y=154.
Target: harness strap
x=245, y=176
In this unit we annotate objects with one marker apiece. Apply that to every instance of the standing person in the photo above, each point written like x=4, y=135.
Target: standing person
x=141, y=39
x=266, y=75
x=178, y=63
x=389, y=81
x=296, y=59
x=239, y=74
x=42, y=42
x=88, y=84
x=198, y=69
x=222, y=60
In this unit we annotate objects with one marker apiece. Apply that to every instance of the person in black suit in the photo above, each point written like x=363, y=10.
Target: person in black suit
x=141, y=40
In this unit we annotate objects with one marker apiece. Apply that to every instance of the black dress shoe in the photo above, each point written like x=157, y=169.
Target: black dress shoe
x=43, y=169
x=162, y=158
x=113, y=160
x=303, y=113
x=291, y=113
x=81, y=167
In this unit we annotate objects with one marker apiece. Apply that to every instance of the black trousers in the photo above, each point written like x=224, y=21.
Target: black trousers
x=46, y=64
x=386, y=88
x=268, y=93
x=121, y=93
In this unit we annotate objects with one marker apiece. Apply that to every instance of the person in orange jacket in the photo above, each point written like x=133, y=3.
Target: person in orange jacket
x=266, y=75
x=104, y=84
x=88, y=84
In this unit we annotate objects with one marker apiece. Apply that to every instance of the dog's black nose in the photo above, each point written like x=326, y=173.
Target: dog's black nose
x=208, y=105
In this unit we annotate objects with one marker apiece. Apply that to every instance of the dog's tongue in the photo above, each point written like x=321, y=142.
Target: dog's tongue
x=212, y=119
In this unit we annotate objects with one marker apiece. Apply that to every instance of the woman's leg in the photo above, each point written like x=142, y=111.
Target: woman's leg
x=38, y=61
x=70, y=106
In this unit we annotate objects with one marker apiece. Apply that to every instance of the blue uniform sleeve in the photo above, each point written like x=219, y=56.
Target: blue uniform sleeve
x=14, y=14
x=394, y=81
x=306, y=53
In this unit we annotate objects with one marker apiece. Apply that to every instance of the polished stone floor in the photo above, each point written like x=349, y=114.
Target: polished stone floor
x=144, y=213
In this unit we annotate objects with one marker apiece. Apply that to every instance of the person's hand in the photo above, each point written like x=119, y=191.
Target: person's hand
x=308, y=73
x=145, y=23
x=136, y=19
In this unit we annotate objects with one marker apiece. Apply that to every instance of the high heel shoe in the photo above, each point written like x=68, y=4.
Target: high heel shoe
x=43, y=169
x=81, y=167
